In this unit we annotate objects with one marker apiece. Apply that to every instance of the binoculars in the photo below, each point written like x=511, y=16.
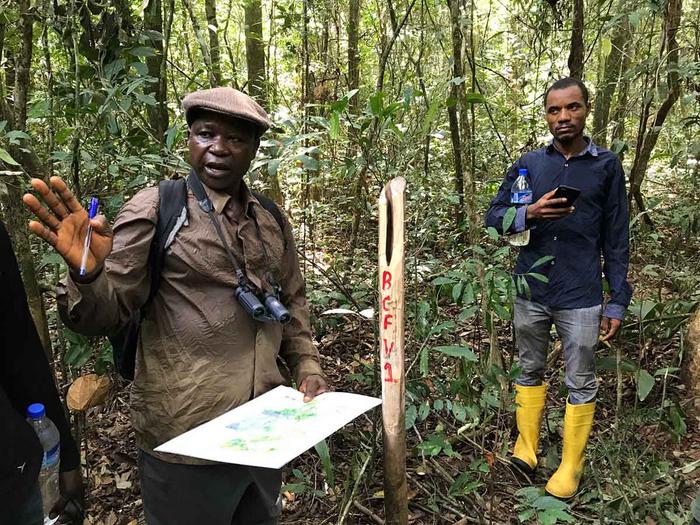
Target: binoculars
x=270, y=310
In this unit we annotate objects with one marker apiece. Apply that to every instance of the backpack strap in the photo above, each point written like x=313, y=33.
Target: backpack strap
x=273, y=209
x=172, y=215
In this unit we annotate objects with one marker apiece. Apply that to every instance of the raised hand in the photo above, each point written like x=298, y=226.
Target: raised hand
x=64, y=224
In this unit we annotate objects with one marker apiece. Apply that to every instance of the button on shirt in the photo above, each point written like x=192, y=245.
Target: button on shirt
x=199, y=353
x=599, y=225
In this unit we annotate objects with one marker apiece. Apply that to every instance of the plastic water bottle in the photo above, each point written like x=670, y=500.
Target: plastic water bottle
x=520, y=195
x=51, y=443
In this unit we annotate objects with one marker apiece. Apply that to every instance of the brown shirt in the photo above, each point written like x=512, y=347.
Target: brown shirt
x=199, y=354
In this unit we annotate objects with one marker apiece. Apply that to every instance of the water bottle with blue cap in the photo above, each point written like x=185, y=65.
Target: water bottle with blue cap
x=520, y=195
x=51, y=443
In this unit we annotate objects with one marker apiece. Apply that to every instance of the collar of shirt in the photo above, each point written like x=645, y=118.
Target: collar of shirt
x=220, y=199
x=590, y=148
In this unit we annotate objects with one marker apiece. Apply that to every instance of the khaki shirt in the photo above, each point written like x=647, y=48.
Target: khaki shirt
x=199, y=353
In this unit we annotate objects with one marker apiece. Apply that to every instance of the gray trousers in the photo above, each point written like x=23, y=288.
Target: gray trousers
x=221, y=494
x=578, y=330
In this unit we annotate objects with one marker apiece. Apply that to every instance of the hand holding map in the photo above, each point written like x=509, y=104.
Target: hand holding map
x=272, y=429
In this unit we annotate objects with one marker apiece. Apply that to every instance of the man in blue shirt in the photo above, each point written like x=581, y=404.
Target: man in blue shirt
x=571, y=295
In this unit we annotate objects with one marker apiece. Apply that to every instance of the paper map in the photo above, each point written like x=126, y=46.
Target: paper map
x=272, y=429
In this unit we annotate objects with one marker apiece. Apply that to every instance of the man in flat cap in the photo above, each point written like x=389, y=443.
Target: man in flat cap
x=200, y=353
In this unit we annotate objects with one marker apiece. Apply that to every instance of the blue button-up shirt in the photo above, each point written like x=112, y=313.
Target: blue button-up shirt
x=599, y=225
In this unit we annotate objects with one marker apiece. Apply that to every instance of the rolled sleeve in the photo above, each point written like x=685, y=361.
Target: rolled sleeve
x=614, y=311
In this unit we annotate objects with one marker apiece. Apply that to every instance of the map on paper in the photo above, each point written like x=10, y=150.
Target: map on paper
x=272, y=429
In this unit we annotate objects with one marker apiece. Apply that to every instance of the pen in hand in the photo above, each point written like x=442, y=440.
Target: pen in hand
x=88, y=236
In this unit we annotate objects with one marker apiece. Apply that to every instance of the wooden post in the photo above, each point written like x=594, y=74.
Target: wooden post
x=391, y=349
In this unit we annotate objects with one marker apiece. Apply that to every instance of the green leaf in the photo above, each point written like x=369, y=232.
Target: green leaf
x=541, y=261
x=322, y=450
x=548, y=502
x=376, y=103
x=140, y=67
x=423, y=411
x=17, y=134
x=457, y=291
x=493, y=233
x=7, y=158
x=142, y=52
x=458, y=351
x=606, y=46
x=467, y=313
x=424, y=362
x=459, y=412
x=439, y=281
x=610, y=363
x=309, y=163
x=411, y=415
x=508, y=218
x=475, y=98
x=645, y=382
x=430, y=115
x=334, y=129
x=539, y=277
x=294, y=488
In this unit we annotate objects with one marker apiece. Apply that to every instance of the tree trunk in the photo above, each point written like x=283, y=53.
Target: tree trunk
x=650, y=135
x=158, y=114
x=606, y=90
x=691, y=366
x=203, y=45
x=16, y=216
x=456, y=87
x=214, y=48
x=576, y=48
x=255, y=53
x=354, y=53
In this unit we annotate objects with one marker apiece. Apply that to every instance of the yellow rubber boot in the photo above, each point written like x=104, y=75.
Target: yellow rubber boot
x=578, y=421
x=528, y=415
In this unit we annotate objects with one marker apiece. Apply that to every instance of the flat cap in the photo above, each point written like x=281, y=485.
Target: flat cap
x=227, y=101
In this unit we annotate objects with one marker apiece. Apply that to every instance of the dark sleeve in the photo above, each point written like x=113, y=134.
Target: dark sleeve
x=501, y=203
x=615, y=243
x=24, y=368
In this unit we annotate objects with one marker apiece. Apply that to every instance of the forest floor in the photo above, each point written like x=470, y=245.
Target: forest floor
x=643, y=461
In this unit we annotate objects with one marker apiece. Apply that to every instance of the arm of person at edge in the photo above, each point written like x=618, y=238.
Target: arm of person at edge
x=615, y=248
x=297, y=348
x=28, y=379
x=546, y=208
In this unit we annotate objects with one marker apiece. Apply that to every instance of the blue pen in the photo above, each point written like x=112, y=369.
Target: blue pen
x=88, y=236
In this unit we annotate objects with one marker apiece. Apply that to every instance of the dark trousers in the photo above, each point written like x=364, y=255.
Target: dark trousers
x=221, y=494
x=28, y=512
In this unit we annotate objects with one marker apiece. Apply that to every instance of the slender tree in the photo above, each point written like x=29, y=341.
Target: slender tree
x=650, y=125
x=576, y=50
x=255, y=52
x=214, y=49
x=353, y=52
x=158, y=114
x=606, y=88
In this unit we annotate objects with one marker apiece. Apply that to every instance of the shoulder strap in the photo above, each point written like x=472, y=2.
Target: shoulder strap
x=273, y=209
x=172, y=214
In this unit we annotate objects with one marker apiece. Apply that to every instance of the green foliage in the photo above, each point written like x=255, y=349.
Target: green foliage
x=545, y=509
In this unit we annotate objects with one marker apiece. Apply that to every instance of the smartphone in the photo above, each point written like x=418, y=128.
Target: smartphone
x=568, y=193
